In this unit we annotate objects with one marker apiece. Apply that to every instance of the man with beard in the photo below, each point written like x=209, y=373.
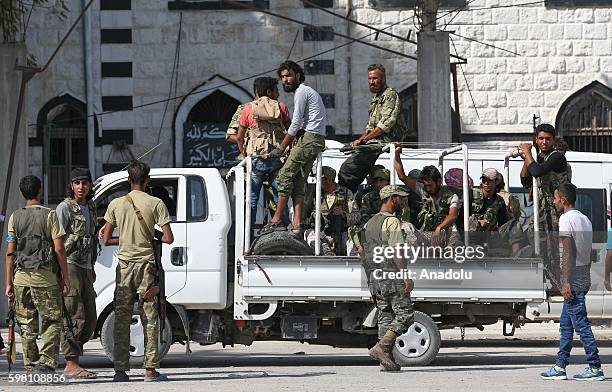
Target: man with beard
x=550, y=169
x=308, y=127
x=77, y=214
x=575, y=243
x=439, y=209
x=386, y=124
x=391, y=296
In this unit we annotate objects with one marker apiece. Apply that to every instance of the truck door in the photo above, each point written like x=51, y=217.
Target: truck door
x=171, y=190
x=206, y=251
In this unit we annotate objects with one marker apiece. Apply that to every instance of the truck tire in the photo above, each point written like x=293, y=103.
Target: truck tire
x=420, y=345
x=280, y=243
x=136, y=338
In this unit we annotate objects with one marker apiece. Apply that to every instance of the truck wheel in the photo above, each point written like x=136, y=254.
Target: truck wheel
x=136, y=338
x=420, y=345
x=280, y=243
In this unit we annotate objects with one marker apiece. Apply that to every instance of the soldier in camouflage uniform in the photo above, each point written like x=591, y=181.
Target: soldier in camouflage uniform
x=386, y=124
x=511, y=230
x=370, y=202
x=338, y=213
x=136, y=215
x=35, y=253
x=439, y=209
x=231, y=136
x=487, y=208
x=77, y=215
x=391, y=296
x=550, y=169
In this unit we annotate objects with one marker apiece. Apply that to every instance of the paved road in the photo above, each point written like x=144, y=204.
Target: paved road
x=482, y=362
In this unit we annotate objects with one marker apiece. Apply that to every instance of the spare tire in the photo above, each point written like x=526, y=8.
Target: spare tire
x=280, y=243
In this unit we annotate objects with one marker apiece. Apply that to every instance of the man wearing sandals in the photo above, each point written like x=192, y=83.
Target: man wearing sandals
x=136, y=270
x=77, y=214
x=308, y=127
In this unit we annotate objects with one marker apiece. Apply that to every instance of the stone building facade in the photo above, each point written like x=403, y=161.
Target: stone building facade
x=204, y=54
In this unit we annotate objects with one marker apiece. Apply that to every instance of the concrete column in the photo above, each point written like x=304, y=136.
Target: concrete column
x=433, y=89
x=10, y=81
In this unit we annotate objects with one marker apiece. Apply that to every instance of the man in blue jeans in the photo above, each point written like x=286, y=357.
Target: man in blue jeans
x=575, y=241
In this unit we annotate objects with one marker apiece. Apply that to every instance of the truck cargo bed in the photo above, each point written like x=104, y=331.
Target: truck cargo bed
x=321, y=278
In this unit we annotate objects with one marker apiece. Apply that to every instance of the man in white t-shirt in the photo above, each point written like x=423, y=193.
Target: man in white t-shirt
x=575, y=241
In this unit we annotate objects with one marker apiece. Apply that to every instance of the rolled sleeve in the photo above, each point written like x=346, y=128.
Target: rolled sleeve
x=393, y=230
x=110, y=214
x=609, y=244
x=162, y=216
x=56, y=229
x=10, y=232
x=455, y=202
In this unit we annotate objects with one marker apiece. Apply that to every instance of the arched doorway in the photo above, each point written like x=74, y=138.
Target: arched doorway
x=585, y=119
x=64, y=142
x=201, y=122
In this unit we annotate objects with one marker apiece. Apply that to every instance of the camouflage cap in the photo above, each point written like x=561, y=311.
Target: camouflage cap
x=490, y=174
x=329, y=172
x=391, y=190
x=380, y=173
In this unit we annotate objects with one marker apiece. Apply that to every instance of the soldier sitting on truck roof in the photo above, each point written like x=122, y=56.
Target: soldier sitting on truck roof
x=439, y=210
x=338, y=213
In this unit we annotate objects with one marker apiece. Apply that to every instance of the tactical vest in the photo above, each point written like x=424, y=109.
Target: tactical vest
x=430, y=215
x=373, y=239
x=269, y=131
x=341, y=199
x=80, y=243
x=480, y=210
x=35, y=247
x=550, y=181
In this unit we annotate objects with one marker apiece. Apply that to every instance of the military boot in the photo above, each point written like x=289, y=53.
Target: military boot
x=383, y=352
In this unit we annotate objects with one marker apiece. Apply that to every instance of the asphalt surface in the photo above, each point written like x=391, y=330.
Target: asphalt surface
x=484, y=361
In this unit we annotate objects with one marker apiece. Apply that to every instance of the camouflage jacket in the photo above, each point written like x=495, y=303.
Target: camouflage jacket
x=431, y=215
x=492, y=210
x=513, y=205
x=232, y=128
x=343, y=197
x=386, y=113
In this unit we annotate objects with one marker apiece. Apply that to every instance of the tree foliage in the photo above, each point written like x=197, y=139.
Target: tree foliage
x=15, y=16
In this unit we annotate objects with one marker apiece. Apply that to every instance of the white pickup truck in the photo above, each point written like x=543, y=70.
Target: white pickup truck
x=219, y=292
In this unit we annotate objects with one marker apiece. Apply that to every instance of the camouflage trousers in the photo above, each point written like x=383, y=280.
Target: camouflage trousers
x=294, y=173
x=355, y=169
x=549, y=245
x=81, y=307
x=30, y=304
x=132, y=280
x=395, y=311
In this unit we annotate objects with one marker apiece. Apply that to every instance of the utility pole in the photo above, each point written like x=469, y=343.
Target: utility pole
x=433, y=77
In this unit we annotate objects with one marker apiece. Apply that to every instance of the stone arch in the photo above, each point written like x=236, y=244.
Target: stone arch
x=214, y=84
x=53, y=107
x=584, y=119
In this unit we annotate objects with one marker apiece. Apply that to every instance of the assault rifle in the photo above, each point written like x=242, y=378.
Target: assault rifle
x=11, y=353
